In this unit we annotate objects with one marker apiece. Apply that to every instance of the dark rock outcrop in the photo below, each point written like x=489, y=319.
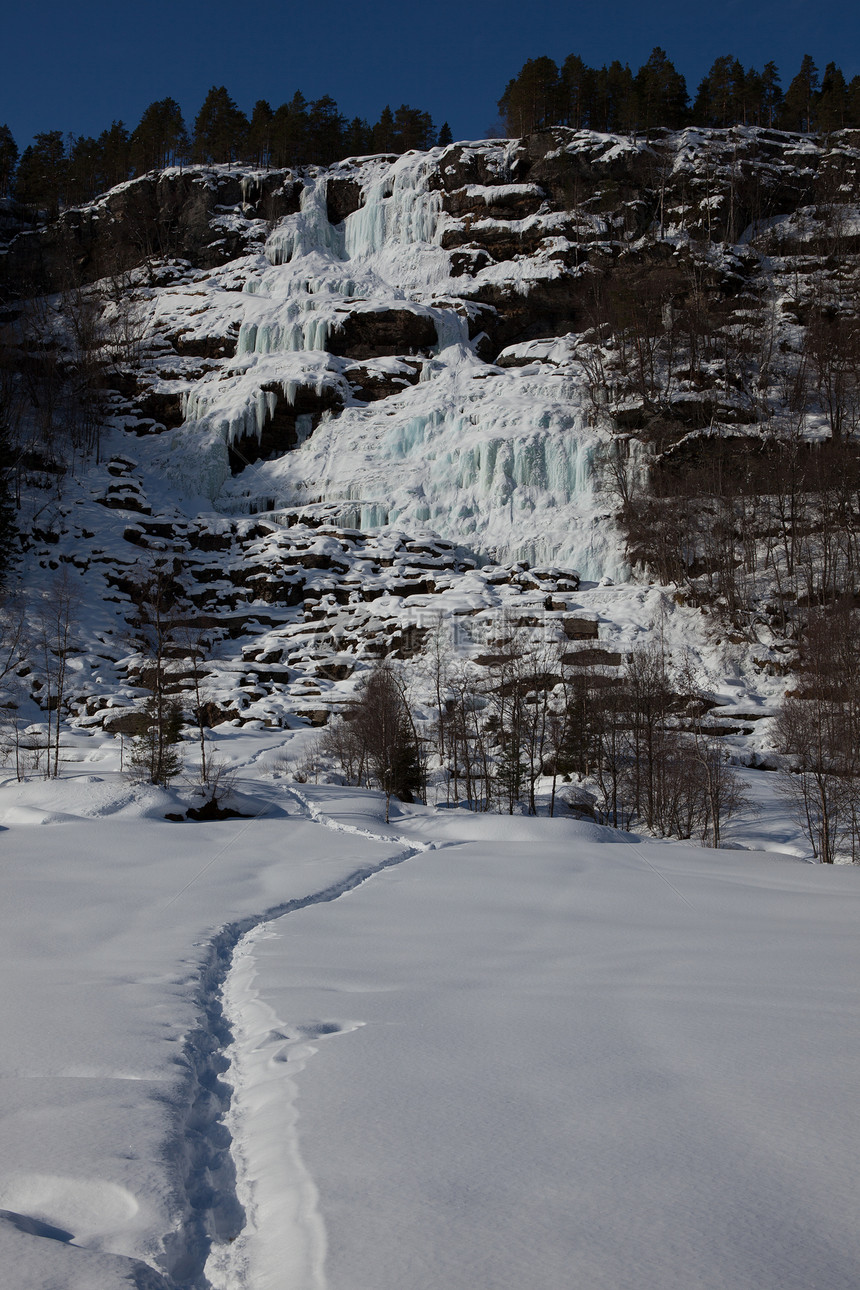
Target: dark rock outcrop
x=172, y=214
x=280, y=431
x=373, y=333
x=369, y=383
x=343, y=197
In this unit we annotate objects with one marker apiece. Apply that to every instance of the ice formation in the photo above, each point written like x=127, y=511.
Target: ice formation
x=501, y=459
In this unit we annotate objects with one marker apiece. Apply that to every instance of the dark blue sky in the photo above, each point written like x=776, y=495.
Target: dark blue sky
x=76, y=66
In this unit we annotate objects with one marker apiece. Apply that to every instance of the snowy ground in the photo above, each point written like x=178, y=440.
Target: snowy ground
x=520, y=1053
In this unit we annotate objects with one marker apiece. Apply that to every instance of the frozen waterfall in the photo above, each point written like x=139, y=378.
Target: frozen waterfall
x=398, y=208
x=503, y=460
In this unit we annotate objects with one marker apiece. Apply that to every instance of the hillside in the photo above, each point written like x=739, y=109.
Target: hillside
x=527, y=381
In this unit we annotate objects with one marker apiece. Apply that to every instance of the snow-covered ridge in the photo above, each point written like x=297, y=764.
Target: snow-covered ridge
x=444, y=258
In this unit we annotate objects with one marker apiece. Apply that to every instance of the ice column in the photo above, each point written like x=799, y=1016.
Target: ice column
x=306, y=232
x=397, y=209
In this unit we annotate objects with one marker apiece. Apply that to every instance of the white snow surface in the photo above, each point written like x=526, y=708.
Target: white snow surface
x=520, y=1053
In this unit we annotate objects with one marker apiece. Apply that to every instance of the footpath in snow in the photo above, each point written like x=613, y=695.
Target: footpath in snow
x=117, y=930
x=525, y=1053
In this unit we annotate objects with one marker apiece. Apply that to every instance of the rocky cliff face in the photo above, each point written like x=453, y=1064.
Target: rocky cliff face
x=488, y=341
x=503, y=200
x=196, y=215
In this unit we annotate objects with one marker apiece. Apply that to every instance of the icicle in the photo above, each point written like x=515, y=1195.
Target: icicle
x=247, y=342
x=306, y=232
x=398, y=209
x=315, y=333
x=251, y=189
x=373, y=516
x=301, y=329
x=451, y=329
x=364, y=229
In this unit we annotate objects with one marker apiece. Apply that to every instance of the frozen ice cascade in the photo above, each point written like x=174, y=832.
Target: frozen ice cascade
x=501, y=459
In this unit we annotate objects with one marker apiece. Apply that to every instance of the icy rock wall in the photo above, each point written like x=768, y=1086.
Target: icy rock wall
x=310, y=275
x=399, y=208
x=489, y=461
x=503, y=461
x=309, y=231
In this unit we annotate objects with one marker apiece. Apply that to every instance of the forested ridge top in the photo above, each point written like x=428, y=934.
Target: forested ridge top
x=505, y=199
x=613, y=97
x=61, y=169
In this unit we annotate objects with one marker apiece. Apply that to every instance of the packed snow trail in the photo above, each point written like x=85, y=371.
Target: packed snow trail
x=221, y=1207
x=272, y=1183
x=536, y=1064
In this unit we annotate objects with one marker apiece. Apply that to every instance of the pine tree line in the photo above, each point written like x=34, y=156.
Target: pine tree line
x=59, y=170
x=615, y=99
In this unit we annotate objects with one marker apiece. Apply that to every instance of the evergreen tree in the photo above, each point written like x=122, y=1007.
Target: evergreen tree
x=290, y=132
x=158, y=623
x=160, y=139
x=752, y=97
x=358, y=138
x=576, y=93
x=721, y=98
x=661, y=92
x=511, y=770
x=530, y=101
x=445, y=136
x=325, y=131
x=832, y=110
x=220, y=128
x=8, y=157
x=509, y=108
x=83, y=171
x=798, y=108
x=41, y=175
x=383, y=132
x=743, y=87
x=259, y=142
x=771, y=95
x=154, y=754
x=115, y=148
x=614, y=99
x=853, y=109
x=413, y=129
x=705, y=109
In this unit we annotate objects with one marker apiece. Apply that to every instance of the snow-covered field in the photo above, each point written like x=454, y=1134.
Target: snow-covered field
x=471, y=1051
